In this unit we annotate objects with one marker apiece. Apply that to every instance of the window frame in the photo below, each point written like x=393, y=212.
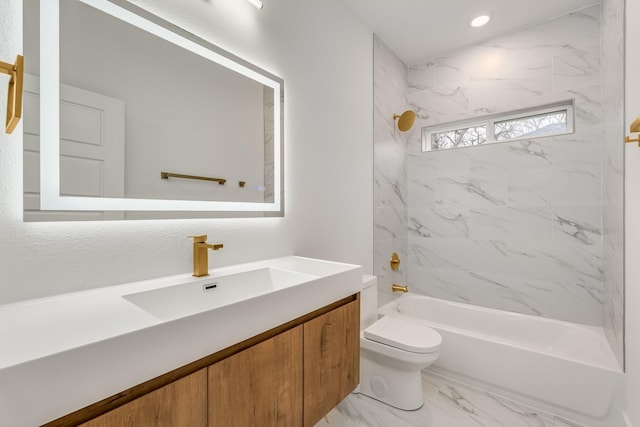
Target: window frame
x=490, y=121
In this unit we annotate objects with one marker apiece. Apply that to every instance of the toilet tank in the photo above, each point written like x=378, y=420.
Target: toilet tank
x=368, y=301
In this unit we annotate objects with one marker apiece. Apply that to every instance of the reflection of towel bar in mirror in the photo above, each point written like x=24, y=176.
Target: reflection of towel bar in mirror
x=167, y=175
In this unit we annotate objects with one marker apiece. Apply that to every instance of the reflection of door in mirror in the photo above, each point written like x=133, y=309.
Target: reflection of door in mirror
x=91, y=150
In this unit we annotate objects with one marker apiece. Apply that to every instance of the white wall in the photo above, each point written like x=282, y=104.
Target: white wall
x=632, y=215
x=325, y=58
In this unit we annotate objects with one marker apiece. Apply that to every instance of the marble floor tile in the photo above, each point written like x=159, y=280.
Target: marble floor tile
x=447, y=404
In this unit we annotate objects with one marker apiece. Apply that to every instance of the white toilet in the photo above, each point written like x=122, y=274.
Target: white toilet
x=393, y=351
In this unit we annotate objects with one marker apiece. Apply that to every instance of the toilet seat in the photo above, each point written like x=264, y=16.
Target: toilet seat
x=404, y=335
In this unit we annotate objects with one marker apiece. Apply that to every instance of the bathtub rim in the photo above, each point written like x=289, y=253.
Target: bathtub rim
x=391, y=308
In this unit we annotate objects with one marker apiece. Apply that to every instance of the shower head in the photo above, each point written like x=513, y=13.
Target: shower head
x=406, y=120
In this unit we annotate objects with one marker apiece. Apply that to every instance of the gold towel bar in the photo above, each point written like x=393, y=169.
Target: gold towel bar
x=14, y=99
x=167, y=175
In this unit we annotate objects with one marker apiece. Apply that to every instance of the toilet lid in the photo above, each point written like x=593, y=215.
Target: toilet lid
x=405, y=335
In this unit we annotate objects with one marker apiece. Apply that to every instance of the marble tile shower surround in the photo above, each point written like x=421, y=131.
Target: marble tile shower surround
x=518, y=225
x=447, y=404
x=612, y=172
x=390, y=168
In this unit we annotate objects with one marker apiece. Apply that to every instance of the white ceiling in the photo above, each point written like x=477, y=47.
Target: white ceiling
x=419, y=30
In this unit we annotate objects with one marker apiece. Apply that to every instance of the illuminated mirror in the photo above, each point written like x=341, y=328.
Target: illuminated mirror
x=126, y=114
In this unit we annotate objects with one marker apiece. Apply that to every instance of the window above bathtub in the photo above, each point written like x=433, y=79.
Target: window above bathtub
x=537, y=122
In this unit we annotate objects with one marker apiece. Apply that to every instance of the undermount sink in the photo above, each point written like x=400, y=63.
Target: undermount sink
x=215, y=291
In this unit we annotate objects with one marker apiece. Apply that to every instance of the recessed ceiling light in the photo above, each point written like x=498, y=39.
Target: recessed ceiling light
x=256, y=3
x=479, y=21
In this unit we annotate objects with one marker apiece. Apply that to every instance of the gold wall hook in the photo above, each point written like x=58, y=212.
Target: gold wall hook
x=394, y=262
x=14, y=99
x=627, y=140
x=634, y=128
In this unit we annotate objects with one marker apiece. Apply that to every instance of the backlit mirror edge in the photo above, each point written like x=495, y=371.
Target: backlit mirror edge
x=50, y=115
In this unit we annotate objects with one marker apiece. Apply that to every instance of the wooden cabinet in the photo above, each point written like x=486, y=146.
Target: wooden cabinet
x=179, y=404
x=289, y=376
x=260, y=386
x=331, y=360
x=264, y=385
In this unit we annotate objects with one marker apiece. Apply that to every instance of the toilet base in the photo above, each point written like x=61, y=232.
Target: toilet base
x=399, y=388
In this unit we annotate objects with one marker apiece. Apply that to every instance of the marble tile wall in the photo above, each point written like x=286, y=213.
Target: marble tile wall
x=269, y=129
x=269, y=141
x=612, y=172
x=390, y=168
x=517, y=225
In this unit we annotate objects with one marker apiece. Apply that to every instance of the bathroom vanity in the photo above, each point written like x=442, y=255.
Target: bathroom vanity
x=291, y=375
x=276, y=343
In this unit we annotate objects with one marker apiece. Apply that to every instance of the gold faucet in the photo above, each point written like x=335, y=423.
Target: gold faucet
x=399, y=288
x=201, y=255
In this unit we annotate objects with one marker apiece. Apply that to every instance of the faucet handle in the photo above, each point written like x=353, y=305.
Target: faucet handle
x=199, y=239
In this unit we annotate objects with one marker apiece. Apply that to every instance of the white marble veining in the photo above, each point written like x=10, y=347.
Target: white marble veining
x=581, y=224
x=507, y=223
x=390, y=213
x=269, y=140
x=447, y=404
x=533, y=226
x=441, y=220
x=612, y=171
x=575, y=70
x=390, y=223
x=520, y=223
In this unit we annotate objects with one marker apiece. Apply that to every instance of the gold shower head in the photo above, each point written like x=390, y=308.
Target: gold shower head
x=406, y=120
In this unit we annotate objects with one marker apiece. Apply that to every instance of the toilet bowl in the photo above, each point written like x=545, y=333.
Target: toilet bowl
x=393, y=351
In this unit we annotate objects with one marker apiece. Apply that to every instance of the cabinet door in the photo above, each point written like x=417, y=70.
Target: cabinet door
x=179, y=404
x=331, y=360
x=260, y=386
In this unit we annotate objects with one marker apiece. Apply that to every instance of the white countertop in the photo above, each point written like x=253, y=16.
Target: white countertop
x=62, y=353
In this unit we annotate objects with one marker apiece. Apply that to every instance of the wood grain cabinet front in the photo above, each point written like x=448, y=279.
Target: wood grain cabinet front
x=291, y=380
x=290, y=376
x=183, y=403
x=331, y=360
x=260, y=386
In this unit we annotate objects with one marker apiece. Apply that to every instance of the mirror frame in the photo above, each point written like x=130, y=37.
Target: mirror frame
x=50, y=198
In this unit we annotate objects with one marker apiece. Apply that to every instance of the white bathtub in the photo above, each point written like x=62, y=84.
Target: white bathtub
x=562, y=364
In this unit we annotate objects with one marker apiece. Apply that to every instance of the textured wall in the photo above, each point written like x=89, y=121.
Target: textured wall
x=516, y=225
x=390, y=168
x=328, y=158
